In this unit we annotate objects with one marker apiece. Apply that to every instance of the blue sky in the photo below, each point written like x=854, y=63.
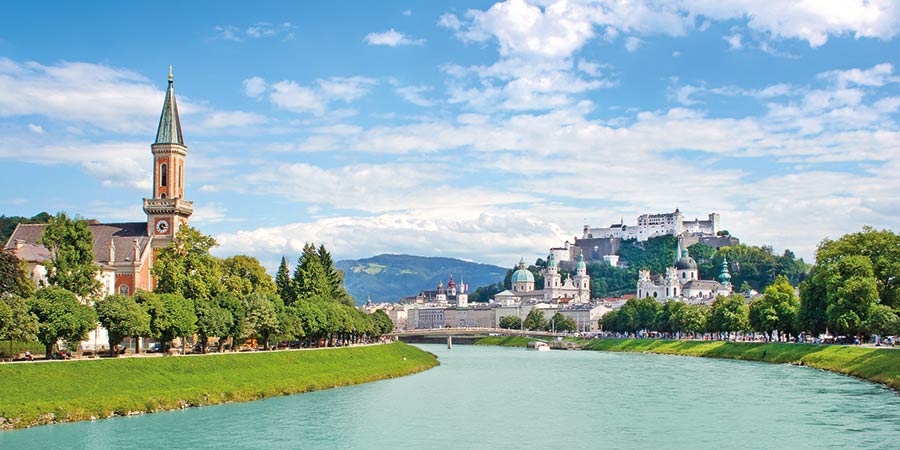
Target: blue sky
x=480, y=130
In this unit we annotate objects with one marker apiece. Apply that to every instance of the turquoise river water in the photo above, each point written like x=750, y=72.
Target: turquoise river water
x=500, y=398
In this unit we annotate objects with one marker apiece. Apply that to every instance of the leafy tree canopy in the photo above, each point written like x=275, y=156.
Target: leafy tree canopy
x=71, y=266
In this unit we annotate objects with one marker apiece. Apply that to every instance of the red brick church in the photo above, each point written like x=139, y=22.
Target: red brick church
x=125, y=252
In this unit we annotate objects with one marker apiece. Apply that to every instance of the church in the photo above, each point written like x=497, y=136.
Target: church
x=126, y=252
x=573, y=291
x=683, y=283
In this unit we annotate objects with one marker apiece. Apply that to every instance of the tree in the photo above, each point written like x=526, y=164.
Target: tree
x=244, y=274
x=17, y=323
x=851, y=292
x=14, y=278
x=238, y=312
x=813, y=302
x=881, y=248
x=535, y=320
x=560, y=322
x=213, y=320
x=510, y=322
x=186, y=267
x=261, y=321
x=122, y=316
x=883, y=321
x=728, y=314
x=776, y=309
x=310, y=279
x=334, y=278
x=667, y=320
x=692, y=319
x=639, y=314
x=284, y=287
x=171, y=316
x=71, y=265
x=8, y=224
x=61, y=317
x=383, y=322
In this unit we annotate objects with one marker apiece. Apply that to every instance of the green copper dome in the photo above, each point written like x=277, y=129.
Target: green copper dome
x=522, y=275
x=581, y=264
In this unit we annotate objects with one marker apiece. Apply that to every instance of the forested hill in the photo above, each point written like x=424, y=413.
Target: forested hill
x=390, y=277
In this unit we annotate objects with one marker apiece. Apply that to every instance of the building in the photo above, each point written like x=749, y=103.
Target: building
x=653, y=225
x=574, y=290
x=126, y=252
x=682, y=283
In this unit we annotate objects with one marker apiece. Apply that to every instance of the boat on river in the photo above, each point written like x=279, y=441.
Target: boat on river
x=539, y=346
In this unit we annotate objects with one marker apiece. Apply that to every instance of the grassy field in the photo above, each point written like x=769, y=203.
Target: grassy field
x=872, y=364
x=60, y=391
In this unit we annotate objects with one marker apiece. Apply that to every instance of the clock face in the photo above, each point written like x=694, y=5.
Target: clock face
x=162, y=226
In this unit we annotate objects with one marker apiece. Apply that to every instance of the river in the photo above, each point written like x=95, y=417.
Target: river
x=501, y=398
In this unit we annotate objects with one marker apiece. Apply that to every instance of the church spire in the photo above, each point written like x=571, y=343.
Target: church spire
x=169, y=131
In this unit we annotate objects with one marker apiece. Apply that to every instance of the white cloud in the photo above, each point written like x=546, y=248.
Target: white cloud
x=254, y=86
x=734, y=41
x=36, y=129
x=391, y=38
x=259, y=30
x=632, y=43
x=407, y=12
x=294, y=97
x=876, y=76
x=493, y=236
x=414, y=95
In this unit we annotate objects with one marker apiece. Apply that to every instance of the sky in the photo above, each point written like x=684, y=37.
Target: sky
x=478, y=130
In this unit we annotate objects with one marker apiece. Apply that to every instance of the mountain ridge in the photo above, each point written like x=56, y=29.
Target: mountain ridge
x=389, y=277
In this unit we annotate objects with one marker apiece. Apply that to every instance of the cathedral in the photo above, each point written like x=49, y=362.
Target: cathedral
x=126, y=252
x=682, y=282
x=573, y=290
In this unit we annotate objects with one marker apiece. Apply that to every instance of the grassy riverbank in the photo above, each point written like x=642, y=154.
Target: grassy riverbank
x=872, y=364
x=40, y=393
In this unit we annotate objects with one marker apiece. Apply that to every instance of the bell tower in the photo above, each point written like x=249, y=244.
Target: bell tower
x=167, y=210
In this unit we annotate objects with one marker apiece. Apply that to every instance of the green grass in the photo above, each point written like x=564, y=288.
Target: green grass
x=40, y=393
x=872, y=364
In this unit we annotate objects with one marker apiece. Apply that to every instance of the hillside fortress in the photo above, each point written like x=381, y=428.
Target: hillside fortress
x=653, y=225
x=602, y=244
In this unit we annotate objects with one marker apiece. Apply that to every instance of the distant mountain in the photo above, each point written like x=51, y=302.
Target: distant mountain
x=387, y=278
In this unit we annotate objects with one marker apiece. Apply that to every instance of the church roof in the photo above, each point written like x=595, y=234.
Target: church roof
x=522, y=276
x=169, y=131
x=122, y=235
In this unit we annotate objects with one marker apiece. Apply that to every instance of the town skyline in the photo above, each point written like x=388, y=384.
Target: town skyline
x=484, y=132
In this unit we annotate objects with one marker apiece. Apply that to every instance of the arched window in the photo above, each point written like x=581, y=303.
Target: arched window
x=163, y=175
x=180, y=175
x=163, y=195
x=654, y=294
x=123, y=289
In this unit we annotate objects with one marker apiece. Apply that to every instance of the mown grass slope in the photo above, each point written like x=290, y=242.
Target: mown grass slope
x=873, y=364
x=39, y=393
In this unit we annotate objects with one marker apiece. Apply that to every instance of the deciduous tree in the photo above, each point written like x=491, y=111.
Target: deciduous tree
x=122, y=316
x=71, y=265
x=61, y=317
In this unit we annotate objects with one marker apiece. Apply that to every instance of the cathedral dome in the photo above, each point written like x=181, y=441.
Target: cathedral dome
x=686, y=263
x=522, y=275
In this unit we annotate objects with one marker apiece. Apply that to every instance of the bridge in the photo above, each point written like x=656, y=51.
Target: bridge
x=462, y=335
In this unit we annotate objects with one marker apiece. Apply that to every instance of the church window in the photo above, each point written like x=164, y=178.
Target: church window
x=654, y=295
x=683, y=274
x=163, y=175
x=162, y=196
x=123, y=289
x=180, y=175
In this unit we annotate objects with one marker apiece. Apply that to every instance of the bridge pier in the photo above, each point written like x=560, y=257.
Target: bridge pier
x=449, y=342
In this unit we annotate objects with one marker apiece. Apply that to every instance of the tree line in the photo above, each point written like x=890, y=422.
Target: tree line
x=852, y=290
x=196, y=294
x=535, y=321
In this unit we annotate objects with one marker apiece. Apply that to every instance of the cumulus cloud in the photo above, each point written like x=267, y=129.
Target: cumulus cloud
x=391, y=38
x=295, y=97
x=258, y=30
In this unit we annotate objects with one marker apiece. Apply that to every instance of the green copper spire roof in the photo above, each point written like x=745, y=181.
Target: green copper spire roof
x=724, y=276
x=169, y=131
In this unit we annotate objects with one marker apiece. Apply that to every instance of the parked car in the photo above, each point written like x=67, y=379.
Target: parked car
x=154, y=348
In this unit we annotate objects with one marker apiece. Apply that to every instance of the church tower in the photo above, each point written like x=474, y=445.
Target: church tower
x=582, y=280
x=167, y=210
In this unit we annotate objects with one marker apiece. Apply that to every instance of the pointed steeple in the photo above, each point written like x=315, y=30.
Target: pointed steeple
x=169, y=131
